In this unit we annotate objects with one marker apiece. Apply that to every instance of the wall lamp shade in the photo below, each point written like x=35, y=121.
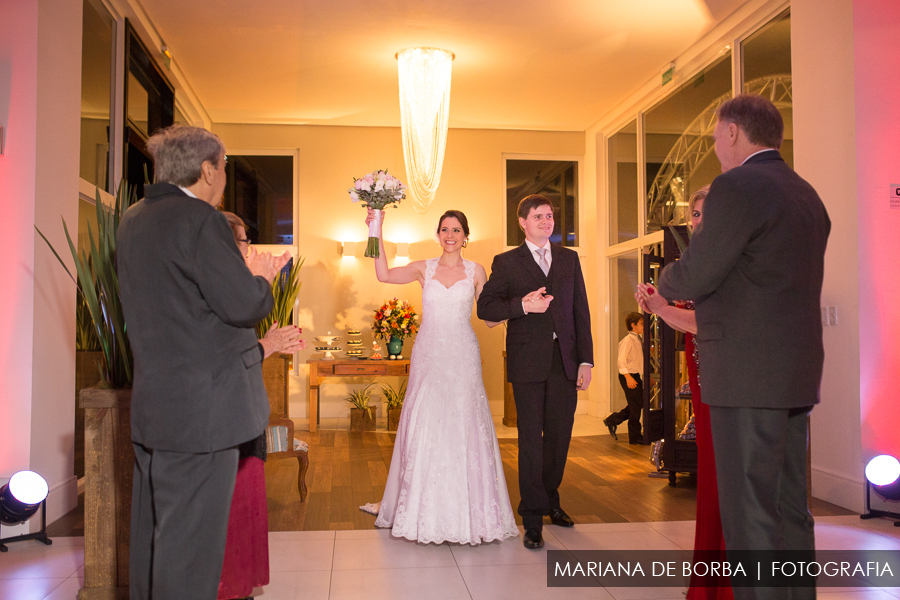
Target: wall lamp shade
x=21, y=497
x=424, y=75
x=347, y=249
x=402, y=250
x=883, y=473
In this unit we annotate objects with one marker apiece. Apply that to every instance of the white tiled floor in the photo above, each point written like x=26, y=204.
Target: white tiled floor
x=370, y=565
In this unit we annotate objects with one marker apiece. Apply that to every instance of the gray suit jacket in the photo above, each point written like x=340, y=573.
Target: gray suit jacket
x=190, y=305
x=754, y=270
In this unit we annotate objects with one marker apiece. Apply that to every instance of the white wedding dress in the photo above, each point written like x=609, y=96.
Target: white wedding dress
x=446, y=480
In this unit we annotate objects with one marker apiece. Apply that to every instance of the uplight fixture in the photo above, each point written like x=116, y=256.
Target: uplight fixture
x=424, y=75
x=20, y=498
x=882, y=477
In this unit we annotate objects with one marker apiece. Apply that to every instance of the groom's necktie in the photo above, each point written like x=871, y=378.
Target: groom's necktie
x=542, y=261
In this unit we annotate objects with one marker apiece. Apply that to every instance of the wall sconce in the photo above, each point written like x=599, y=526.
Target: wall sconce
x=347, y=249
x=402, y=250
x=882, y=477
x=20, y=498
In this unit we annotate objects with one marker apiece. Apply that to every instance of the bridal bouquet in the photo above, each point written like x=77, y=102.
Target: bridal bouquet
x=396, y=319
x=377, y=190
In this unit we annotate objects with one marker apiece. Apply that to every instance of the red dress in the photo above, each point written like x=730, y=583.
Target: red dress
x=246, y=564
x=709, y=543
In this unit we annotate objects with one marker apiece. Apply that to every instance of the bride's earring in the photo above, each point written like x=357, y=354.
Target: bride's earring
x=465, y=242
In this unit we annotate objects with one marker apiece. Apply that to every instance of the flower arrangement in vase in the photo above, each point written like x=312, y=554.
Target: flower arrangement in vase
x=394, y=321
x=377, y=190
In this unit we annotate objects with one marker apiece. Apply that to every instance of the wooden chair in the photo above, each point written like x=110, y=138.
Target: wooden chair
x=301, y=455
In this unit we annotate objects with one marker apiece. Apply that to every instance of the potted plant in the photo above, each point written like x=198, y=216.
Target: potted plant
x=394, y=399
x=362, y=409
x=108, y=454
x=285, y=289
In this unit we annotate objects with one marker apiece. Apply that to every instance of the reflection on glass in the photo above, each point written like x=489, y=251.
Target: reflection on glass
x=555, y=179
x=623, y=185
x=179, y=117
x=653, y=332
x=767, y=71
x=138, y=104
x=679, y=147
x=96, y=78
x=624, y=277
x=260, y=190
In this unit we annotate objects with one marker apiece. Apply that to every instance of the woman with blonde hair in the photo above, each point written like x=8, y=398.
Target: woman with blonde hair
x=709, y=542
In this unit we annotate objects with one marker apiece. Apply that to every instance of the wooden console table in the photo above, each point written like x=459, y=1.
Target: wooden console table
x=319, y=370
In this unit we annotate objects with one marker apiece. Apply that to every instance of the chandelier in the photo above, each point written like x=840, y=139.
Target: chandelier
x=424, y=108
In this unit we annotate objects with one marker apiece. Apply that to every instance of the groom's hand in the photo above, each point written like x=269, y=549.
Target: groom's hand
x=584, y=377
x=537, y=301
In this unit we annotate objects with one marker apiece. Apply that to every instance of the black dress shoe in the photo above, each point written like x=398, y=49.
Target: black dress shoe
x=612, y=429
x=533, y=539
x=559, y=517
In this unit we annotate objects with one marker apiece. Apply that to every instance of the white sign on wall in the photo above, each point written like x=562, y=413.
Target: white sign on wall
x=895, y=196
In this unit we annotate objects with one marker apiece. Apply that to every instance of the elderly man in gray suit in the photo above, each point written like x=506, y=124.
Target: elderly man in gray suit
x=191, y=301
x=754, y=271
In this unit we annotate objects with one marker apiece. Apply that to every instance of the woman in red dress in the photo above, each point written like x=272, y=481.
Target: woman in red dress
x=246, y=564
x=709, y=543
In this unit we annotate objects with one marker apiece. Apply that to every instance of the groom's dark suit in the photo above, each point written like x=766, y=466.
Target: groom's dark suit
x=755, y=270
x=542, y=370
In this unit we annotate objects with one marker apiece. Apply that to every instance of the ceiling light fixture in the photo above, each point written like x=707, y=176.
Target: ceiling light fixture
x=424, y=75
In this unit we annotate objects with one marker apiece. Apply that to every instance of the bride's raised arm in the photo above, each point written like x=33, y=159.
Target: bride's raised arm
x=414, y=271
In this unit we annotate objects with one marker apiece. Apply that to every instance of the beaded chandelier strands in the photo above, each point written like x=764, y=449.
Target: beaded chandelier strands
x=424, y=108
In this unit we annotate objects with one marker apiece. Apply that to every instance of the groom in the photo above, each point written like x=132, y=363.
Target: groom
x=539, y=290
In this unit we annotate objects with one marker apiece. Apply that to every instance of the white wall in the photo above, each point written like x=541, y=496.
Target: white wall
x=876, y=63
x=40, y=82
x=825, y=155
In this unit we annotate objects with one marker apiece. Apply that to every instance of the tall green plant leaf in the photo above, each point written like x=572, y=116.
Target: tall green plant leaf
x=285, y=289
x=97, y=283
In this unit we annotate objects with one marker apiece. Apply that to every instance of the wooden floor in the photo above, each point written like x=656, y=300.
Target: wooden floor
x=605, y=482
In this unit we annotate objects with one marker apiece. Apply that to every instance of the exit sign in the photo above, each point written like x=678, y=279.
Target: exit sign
x=667, y=75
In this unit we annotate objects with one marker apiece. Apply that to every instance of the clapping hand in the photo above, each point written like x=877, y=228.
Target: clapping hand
x=265, y=265
x=648, y=299
x=285, y=340
x=537, y=301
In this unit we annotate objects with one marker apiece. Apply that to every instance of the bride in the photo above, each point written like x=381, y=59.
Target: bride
x=446, y=481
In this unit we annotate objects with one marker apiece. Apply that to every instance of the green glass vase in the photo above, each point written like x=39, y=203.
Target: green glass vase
x=395, y=346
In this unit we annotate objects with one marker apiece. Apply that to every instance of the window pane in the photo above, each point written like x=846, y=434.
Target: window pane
x=260, y=190
x=767, y=71
x=138, y=104
x=679, y=145
x=96, y=78
x=555, y=179
x=623, y=185
x=624, y=278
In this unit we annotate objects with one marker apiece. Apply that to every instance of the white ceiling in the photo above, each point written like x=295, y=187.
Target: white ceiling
x=520, y=64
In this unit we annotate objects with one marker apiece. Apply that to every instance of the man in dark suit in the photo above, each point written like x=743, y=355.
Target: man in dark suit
x=754, y=270
x=191, y=302
x=539, y=290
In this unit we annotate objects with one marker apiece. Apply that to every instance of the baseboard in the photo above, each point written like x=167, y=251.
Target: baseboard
x=62, y=498
x=838, y=489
